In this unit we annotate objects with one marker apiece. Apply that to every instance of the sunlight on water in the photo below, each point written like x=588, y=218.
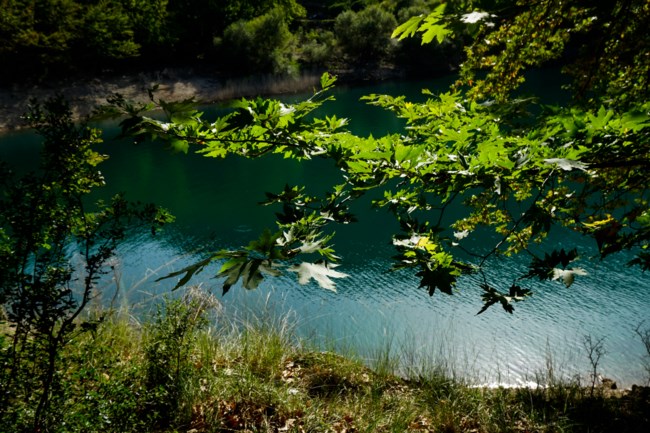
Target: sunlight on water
x=215, y=203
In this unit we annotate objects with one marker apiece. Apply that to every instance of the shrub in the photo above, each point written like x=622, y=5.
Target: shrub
x=365, y=36
x=261, y=45
x=168, y=344
x=317, y=48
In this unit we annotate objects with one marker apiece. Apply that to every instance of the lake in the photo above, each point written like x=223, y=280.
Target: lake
x=374, y=310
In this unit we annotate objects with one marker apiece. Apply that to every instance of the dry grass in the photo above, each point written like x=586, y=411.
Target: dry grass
x=255, y=376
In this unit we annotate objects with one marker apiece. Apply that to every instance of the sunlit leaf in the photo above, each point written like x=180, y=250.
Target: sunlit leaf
x=320, y=272
x=567, y=276
x=409, y=28
x=432, y=29
x=474, y=17
x=327, y=80
x=567, y=164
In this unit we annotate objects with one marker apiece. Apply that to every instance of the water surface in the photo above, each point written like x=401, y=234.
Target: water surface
x=215, y=203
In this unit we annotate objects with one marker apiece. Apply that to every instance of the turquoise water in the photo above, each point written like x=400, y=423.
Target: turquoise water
x=215, y=203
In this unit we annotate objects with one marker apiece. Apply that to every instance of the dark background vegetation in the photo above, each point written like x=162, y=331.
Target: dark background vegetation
x=50, y=39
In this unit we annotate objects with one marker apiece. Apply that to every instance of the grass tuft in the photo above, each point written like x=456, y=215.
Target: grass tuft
x=190, y=369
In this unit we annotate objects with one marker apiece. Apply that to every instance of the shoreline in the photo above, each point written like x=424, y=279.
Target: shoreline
x=174, y=85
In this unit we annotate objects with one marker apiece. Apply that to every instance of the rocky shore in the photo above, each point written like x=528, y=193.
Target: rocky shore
x=174, y=85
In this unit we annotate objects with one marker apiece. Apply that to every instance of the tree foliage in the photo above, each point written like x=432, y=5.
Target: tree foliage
x=195, y=24
x=602, y=46
x=52, y=38
x=261, y=44
x=60, y=35
x=54, y=249
x=475, y=160
x=365, y=35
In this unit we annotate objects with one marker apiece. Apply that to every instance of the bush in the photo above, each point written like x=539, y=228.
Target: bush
x=318, y=47
x=168, y=344
x=365, y=36
x=261, y=45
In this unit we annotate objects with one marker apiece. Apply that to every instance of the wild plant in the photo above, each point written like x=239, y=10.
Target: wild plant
x=595, y=348
x=45, y=222
x=644, y=335
x=168, y=342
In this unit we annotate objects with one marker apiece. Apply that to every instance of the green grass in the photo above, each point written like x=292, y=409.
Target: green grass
x=187, y=369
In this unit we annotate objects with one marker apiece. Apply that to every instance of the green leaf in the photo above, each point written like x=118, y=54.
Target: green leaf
x=265, y=243
x=432, y=29
x=635, y=120
x=409, y=28
x=179, y=145
x=214, y=150
x=228, y=265
x=600, y=120
x=232, y=272
x=251, y=271
x=189, y=272
x=327, y=80
x=251, y=274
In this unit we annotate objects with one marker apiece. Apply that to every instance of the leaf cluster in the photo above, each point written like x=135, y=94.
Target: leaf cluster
x=465, y=165
x=515, y=169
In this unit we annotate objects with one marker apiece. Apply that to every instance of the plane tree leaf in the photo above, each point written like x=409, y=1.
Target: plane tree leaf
x=567, y=276
x=492, y=296
x=188, y=272
x=433, y=29
x=409, y=28
x=431, y=26
x=321, y=272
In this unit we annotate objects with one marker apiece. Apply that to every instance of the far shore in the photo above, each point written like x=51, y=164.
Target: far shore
x=174, y=85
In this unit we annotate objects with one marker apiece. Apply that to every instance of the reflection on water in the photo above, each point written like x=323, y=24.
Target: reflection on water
x=215, y=202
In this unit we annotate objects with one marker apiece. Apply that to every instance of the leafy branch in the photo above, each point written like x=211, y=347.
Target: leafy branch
x=518, y=173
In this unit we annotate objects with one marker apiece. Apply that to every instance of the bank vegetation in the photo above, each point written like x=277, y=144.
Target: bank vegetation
x=190, y=368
